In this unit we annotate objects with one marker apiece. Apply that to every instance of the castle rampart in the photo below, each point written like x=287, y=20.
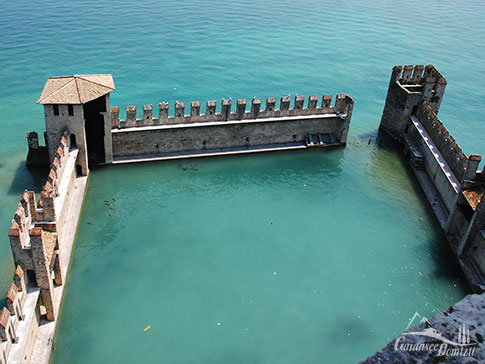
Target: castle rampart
x=462, y=165
x=448, y=176
x=343, y=106
x=228, y=130
x=41, y=243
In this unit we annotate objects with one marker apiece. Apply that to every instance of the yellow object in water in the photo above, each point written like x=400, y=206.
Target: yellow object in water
x=146, y=328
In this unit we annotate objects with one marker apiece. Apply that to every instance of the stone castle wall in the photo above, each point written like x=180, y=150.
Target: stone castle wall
x=448, y=176
x=227, y=129
x=36, y=243
x=462, y=165
x=409, y=86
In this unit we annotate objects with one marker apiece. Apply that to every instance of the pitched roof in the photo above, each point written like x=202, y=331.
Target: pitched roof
x=4, y=317
x=12, y=292
x=19, y=272
x=77, y=89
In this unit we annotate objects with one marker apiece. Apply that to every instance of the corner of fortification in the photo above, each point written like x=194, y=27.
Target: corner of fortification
x=408, y=88
x=410, y=116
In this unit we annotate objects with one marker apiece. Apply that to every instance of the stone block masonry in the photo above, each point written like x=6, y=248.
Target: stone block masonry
x=449, y=177
x=407, y=88
x=228, y=130
x=343, y=106
x=41, y=237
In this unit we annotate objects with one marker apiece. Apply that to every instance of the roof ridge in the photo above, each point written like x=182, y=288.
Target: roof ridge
x=78, y=91
x=55, y=77
x=58, y=89
x=96, y=83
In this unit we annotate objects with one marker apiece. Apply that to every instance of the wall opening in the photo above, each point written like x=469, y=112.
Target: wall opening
x=95, y=130
x=72, y=138
x=56, y=110
x=70, y=110
x=79, y=170
x=32, y=280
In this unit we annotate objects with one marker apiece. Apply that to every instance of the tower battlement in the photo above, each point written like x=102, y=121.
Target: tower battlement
x=408, y=87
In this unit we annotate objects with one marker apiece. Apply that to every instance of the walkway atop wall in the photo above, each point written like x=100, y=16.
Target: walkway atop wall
x=436, y=153
x=65, y=181
x=45, y=333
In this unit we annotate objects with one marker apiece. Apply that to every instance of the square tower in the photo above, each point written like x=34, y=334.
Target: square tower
x=408, y=87
x=79, y=104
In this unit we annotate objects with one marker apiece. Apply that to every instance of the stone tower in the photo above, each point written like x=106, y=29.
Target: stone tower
x=79, y=104
x=407, y=89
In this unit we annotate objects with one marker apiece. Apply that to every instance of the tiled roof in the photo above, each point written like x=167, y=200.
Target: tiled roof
x=12, y=292
x=77, y=89
x=4, y=317
x=19, y=271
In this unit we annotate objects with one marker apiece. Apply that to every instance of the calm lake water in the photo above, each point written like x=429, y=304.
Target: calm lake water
x=305, y=257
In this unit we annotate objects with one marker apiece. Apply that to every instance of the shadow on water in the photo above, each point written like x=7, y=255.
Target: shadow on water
x=445, y=265
x=347, y=329
x=27, y=179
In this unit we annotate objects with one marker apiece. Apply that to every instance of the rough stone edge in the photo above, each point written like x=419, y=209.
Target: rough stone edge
x=469, y=311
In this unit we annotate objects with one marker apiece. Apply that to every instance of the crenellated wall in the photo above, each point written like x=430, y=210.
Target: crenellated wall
x=463, y=166
x=224, y=129
x=343, y=105
x=408, y=87
x=448, y=177
x=35, y=239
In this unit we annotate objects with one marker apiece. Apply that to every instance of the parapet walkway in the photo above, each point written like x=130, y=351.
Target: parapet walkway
x=436, y=153
x=67, y=229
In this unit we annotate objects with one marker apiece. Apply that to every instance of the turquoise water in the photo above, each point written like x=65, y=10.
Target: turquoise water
x=186, y=249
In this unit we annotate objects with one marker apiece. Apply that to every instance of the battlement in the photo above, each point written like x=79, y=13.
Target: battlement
x=462, y=165
x=38, y=155
x=416, y=75
x=342, y=107
x=57, y=166
x=34, y=241
x=408, y=87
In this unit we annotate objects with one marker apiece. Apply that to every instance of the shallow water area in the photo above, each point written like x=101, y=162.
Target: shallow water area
x=271, y=258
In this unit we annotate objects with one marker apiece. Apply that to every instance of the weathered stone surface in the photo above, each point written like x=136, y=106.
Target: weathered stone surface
x=469, y=312
x=157, y=141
